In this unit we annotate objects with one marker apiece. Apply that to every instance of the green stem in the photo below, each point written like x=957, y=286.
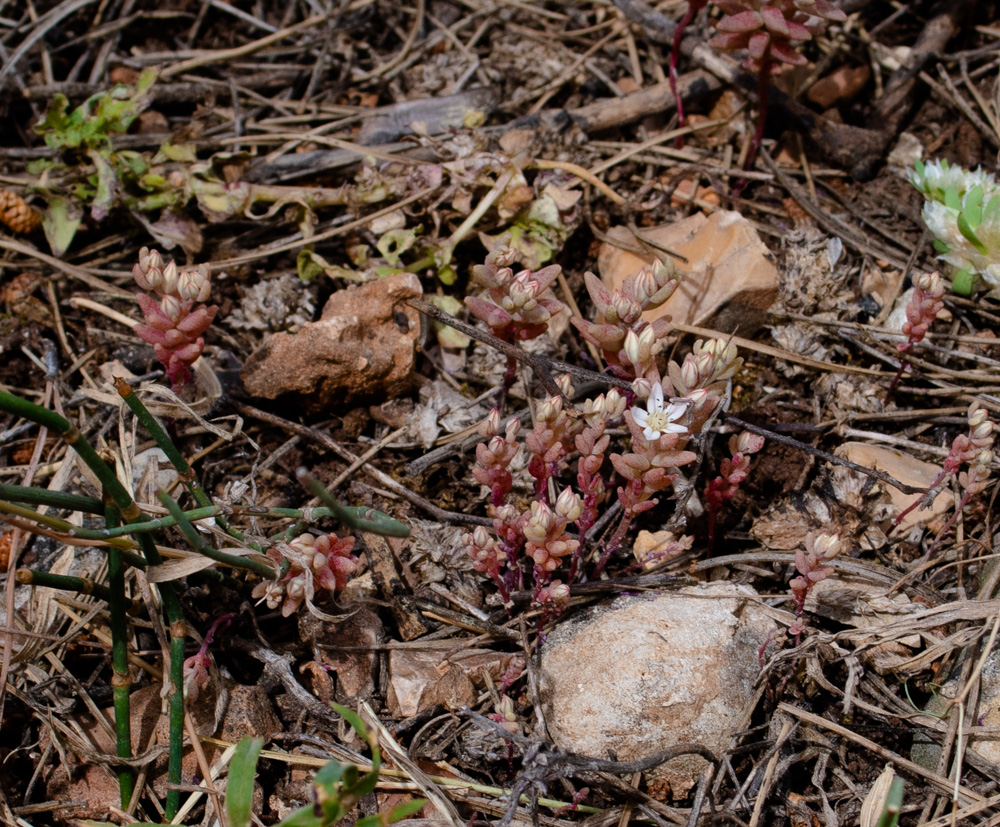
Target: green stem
x=121, y=682
x=122, y=499
x=194, y=539
x=362, y=519
x=63, y=582
x=166, y=444
x=54, y=499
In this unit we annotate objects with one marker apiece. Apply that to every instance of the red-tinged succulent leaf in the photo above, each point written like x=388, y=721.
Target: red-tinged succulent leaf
x=733, y=6
x=758, y=45
x=747, y=21
x=547, y=275
x=730, y=41
x=174, y=339
x=198, y=321
x=599, y=294
x=190, y=352
x=149, y=335
x=153, y=313
x=798, y=32
x=496, y=317
x=782, y=51
x=775, y=21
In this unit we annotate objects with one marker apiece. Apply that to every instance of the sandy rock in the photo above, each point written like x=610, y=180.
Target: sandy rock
x=645, y=673
x=729, y=280
x=362, y=347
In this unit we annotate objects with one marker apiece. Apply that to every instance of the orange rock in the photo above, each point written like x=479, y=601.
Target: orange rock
x=363, y=347
x=729, y=281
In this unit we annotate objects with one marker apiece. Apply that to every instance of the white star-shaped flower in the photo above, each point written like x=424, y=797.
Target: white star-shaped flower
x=656, y=419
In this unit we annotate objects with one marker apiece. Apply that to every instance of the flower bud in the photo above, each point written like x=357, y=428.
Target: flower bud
x=569, y=505
x=614, y=403
x=168, y=281
x=642, y=388
x=550, y=409
x=748, y=443
x=490, y=426
x=631, y=347
x=826, y=546
x=172, y=308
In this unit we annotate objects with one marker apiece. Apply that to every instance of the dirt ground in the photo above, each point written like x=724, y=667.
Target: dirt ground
x=375, y=153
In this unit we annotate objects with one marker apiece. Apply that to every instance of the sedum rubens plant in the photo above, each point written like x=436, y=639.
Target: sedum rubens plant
x=974, y=449
x=769, y=30
x=812, y=568
x=732, y=473
x=962, y=212
x=306, y=565
x=619, y=318
x=513, y=306
x=174, y=324
x=537, y=538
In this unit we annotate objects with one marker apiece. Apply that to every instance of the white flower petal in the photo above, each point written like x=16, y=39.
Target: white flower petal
x=650, y=434
x=655, y=402
x=640, y=416
x=675, y=428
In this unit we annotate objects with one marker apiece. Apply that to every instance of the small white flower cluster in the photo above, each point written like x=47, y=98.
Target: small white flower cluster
x=962, y=212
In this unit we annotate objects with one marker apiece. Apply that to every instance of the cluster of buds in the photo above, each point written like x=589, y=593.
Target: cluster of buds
x=174, y=324
x=812, y=568
x=625, y=340
x=733, y=471
x=307, y=564
x=513, y=306
x=703, y=377
x=769, y=29
x=488, y=558
x=973, y=449
x=545, y=533
x=925, y=304
x=493, y=458
x=548, y=441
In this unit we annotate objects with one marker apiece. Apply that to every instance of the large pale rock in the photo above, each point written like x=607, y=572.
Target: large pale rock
x=729, y=280
x=363, y=347
x=646, y=673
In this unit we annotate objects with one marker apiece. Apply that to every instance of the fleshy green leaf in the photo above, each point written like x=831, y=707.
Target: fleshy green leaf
x=962, y=283
x=970, y=234
x=972, y=207
x=60, y=223
x=239, y=789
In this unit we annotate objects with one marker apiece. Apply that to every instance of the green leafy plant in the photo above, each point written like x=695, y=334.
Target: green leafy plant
x=962, y=212
x=337, y=788
x=93, y=122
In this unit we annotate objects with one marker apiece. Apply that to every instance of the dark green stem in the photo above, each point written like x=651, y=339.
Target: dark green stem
x=194, y=539
x=362, y=519
x=121, y=682
x=63, y=582
x=122, y=499
x=53, y=499
x=166, y=444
